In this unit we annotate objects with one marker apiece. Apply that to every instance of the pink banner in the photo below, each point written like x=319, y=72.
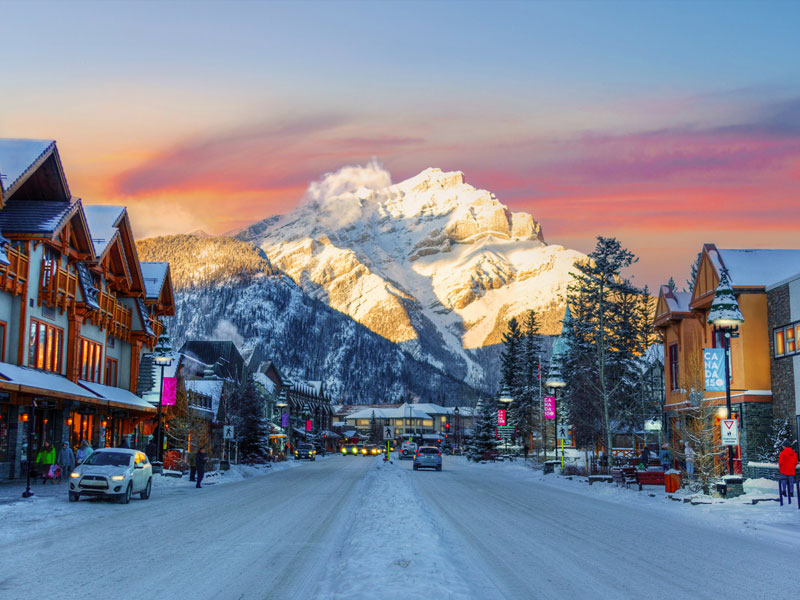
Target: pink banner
x=309, y=425
x=169, y=391
x=549, y=407
x=501, y=417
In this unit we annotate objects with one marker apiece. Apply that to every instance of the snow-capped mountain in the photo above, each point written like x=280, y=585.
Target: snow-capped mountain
x=226, y=289
x=431, y=263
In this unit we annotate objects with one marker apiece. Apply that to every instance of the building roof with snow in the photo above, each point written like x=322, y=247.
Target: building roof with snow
x=103, y=222
x=34, y=165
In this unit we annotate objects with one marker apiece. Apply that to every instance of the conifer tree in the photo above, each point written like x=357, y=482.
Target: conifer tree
x=606, y=337
x=247, y=415
x=483, y=431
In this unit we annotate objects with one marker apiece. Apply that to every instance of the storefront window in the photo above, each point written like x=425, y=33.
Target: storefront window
x=45, y=346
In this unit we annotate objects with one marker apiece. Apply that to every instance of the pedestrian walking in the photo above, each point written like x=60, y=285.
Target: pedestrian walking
x=84, y=451
x=45, y=458
x=192, y=466
x=690, y=455
x=200, y=464
x=66, y=459
x=665, y=457
x=787, y=464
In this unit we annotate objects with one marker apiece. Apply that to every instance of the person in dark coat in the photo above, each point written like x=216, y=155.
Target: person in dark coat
x=192, y=467
x=150, y=450
x=200, y=465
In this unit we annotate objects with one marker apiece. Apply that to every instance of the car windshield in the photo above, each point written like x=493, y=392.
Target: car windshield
x=304, y=446
x=114, y=459
x=429, y=451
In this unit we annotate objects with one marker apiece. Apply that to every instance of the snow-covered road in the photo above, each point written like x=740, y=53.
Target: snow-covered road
x=351, y=527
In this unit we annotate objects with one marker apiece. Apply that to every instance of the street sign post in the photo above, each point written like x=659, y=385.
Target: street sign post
x=563, y=432
x=729, y=432
x=387, y=433
x=652, y=425
x=227, y=432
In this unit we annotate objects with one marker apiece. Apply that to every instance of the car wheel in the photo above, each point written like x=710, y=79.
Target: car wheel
x=145, y=493
x=73, y=497
x=126, y=497
x=439, y=468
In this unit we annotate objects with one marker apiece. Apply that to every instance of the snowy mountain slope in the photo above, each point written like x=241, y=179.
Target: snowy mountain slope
x=431, y=263
x=227, y=289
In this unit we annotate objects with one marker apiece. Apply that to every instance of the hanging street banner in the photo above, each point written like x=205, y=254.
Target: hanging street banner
x=309, y=425
x=549, y=407
x=714, y=364
x=169, y=391
x=729, y=432
x=285, y=420
x=501, y=417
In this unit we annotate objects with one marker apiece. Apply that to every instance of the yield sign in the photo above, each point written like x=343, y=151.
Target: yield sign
x=729, y=432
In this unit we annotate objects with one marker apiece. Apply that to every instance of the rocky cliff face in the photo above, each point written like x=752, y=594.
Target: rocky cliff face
x=227, y=289
x=430, y=263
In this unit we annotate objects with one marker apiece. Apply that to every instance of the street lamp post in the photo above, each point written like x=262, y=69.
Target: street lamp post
x=458, y=445
x=30, y=418
x=725, y=318
x=505, y=399
x=282, y=403
x=163, y=359
x=554, y=383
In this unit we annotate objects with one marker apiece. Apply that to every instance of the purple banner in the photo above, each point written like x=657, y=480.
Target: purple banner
x=170, y=391
x=285, y=420
x=549, y=407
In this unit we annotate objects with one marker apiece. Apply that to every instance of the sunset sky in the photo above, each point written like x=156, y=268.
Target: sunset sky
x=666, y=125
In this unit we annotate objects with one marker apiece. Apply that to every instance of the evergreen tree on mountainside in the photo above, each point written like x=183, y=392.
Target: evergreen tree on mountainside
x=246, y=411
x=610, y=330
x=483, y=431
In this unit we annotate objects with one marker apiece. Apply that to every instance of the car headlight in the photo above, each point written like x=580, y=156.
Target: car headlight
x=118, y=478
x=74, y=475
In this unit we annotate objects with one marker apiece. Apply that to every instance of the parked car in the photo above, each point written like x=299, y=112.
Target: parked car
x=350, y=450
x=305, y=451
x=428, y=457
x=112, y=472
x=372, y=450
x=408, y=450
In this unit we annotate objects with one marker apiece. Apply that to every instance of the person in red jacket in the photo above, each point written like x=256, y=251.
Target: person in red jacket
x=787, y=463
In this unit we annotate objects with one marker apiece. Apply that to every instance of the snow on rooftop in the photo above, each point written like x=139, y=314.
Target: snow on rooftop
x=42, y=380
x=208, y=387
x=154, y=275
x=102, y=222
x=115, y=394
x=19, y=155
x=757, y=267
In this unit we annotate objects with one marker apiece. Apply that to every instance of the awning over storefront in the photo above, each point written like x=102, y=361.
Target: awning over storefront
x=35, y=382
x=118, y=397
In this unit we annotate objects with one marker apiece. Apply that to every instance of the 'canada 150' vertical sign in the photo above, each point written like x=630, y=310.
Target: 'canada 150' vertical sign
x=714, y=366
x=549, y=407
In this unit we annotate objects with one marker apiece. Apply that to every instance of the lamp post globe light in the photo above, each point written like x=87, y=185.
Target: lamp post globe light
x=163, y=358
x=725, y=318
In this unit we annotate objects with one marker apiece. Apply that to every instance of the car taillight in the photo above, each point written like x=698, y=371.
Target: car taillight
x=440, y=453
x=418, y=454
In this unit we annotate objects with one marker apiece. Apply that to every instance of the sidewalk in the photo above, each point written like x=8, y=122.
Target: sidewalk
x=11, y=489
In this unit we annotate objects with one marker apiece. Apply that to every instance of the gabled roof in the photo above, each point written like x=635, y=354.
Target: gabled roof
x=103, y=222
x=46, y=219
x=747, y=268
x=154, y=274
x=36, y=161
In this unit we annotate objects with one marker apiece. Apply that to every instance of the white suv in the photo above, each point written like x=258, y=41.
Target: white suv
x=114, y=472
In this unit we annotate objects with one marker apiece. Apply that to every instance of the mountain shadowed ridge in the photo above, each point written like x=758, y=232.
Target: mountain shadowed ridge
x=227, y=289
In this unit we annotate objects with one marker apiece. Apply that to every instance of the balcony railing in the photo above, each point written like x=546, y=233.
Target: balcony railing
x=113, y=316
x=57, y=287
x=156, y=326
x=14, y=277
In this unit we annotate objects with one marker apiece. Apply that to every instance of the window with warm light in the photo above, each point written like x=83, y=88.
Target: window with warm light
x=787, y=340
x=91, y=354
x=44, y=351
x=673, y=367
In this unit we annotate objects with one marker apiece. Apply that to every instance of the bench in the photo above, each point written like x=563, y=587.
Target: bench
x=623, y=475
x=649, y=478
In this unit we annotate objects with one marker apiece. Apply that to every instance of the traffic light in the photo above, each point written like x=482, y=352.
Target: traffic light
x=447, y=426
